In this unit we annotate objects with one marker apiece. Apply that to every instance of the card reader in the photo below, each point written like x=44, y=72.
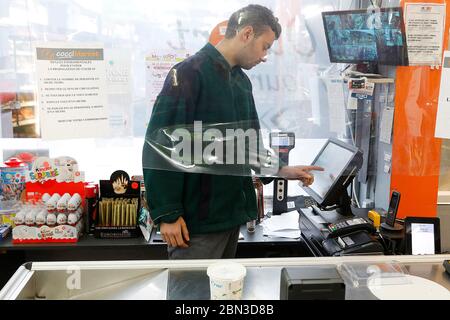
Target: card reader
x=283, y=142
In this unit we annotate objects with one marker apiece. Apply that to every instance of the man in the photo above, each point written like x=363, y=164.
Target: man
x=199, y=214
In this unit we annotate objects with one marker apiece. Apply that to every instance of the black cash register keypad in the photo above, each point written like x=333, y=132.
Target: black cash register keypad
x=333, y=227
x=346, y=223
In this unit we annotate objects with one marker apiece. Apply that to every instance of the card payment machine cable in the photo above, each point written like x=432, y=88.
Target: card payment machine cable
x=284, y=142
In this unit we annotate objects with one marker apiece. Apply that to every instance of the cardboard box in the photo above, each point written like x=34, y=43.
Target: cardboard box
x=45, y=234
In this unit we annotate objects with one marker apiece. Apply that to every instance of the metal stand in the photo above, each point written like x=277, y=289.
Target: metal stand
x=396, y=227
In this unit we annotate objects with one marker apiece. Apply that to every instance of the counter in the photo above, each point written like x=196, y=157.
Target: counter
x=253, y=245
x=186, y=280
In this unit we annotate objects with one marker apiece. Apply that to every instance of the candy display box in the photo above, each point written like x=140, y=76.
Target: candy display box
x=118, y=207
x=55, y=195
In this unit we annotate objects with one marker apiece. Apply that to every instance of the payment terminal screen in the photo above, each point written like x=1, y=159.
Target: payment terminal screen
x=422, y=238
x=282, y=141
x=333, y=159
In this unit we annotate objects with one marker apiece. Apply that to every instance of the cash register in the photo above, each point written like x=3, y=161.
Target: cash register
x=332, y=227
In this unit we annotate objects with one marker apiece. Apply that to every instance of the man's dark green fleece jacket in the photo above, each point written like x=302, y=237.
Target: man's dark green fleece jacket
x=201, y=88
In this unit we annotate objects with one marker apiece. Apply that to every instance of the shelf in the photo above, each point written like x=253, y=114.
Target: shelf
x=381, y=80
x=374, y=80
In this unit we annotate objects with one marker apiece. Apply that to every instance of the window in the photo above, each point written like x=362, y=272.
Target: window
x=286, y=88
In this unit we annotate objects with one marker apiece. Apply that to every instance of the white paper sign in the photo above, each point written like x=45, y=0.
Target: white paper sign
x=422, y=238
x=336, y=103
x=119, y=91
x=352, y=103
x=387, y=119
x=118, y=71
x=443, y=113
x=158, y=65
x=424, y=24
x=71, y=91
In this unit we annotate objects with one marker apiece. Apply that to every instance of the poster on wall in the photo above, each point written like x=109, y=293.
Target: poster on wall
x=443, y=114
x=158, y=65
x=424, y=25
x=71, y=91
x=119, y=91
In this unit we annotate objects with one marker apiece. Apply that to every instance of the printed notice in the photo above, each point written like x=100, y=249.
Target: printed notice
x=158, y=65
x=336, y=105
x=422, y=238
x=119, y=91
x=71, y=91
x=387, y=119
x=424, y=24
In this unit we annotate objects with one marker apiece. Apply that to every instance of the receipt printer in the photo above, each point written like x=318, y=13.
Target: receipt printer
x=311, y=283
x=357, y=242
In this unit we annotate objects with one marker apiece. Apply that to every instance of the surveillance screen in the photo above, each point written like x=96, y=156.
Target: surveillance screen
x=333, y=159
x=359, y=36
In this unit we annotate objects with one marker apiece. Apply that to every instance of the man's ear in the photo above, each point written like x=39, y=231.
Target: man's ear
x=246, y=33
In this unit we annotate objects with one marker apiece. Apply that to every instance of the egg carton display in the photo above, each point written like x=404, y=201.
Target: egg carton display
x=54, y=175
x=57, y=218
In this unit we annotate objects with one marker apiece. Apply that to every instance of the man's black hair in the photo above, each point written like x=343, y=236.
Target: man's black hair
x=256, y=16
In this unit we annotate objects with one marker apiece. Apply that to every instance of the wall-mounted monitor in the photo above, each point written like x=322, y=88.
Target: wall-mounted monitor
x=359, y=36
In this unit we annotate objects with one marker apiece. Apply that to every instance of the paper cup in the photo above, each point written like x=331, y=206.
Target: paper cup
x=226, y=280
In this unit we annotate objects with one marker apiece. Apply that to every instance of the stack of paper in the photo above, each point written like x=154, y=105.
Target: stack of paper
x=282, y=226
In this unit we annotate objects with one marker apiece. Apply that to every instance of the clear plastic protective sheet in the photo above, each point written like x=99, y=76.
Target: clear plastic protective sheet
x=196, y=129
x=222, y=148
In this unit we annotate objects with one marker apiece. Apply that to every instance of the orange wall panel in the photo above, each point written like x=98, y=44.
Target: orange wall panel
x=415, y=151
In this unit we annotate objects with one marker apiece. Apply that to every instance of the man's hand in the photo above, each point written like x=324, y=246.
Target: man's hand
x=302, y=173
x=175, y=234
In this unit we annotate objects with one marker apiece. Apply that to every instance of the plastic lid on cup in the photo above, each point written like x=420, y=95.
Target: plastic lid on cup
x=227, y=271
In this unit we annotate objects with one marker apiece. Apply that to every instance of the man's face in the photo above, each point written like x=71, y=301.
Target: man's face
x=255, y=49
